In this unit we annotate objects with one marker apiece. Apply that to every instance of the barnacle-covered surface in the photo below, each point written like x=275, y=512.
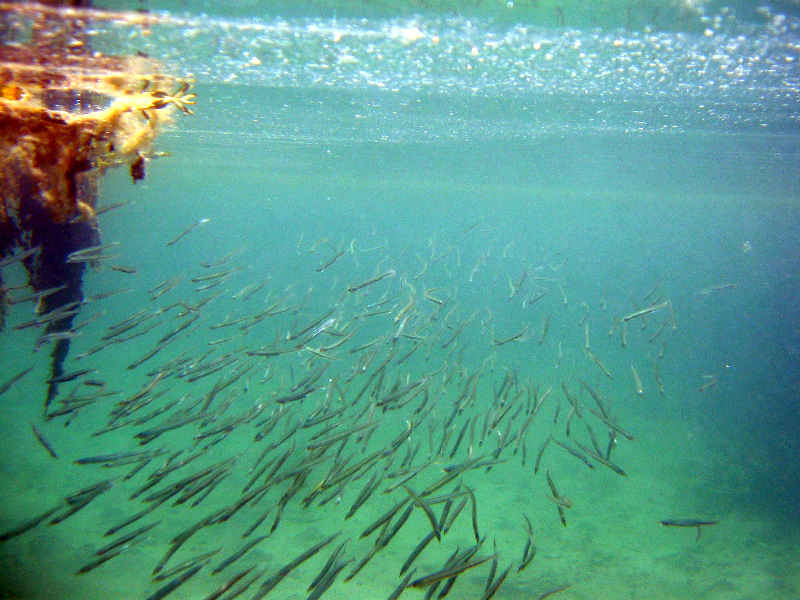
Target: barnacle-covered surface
x=67, y=113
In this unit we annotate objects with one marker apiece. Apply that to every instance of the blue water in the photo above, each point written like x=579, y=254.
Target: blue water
x=487, y=157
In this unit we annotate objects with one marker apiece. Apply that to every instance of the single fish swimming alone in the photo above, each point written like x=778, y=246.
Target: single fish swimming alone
x=699, y=523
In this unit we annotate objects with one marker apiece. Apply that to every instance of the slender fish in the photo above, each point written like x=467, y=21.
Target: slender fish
x=43, y=441
x=448, y=572
x=646, y=311
x=357, y=286
x=698, y=523
x=187, y=231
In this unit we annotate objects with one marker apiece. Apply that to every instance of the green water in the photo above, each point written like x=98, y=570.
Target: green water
x=628, y=166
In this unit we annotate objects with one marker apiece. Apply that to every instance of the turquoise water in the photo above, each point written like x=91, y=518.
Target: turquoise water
x=536, y=180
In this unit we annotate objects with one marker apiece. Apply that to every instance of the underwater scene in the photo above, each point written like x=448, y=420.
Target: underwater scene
x=409, y=300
